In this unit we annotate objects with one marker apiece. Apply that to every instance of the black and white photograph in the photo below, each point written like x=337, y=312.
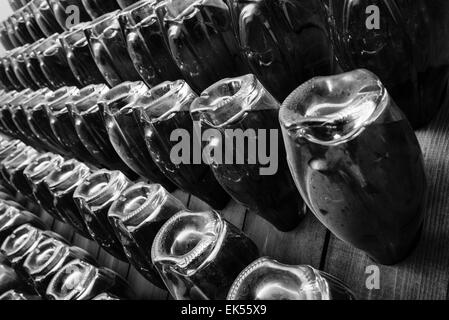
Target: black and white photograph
x=237, y=151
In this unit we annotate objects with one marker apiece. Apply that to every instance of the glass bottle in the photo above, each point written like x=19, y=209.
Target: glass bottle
x=165, y=110
x=201, y=40
x=31, y=24
x=284, y=41
x=107, y=297
x=37, y=171
x=267, y=279
x=146, y=44
x=21, y=243
x=18, y=65
x=69, y=13
x=12, y=167
x=11, y=218
x=121, y=119
x=20, y=29
x=45, y=18
x=9, y=72
x=9, y=146
x=39, y=121
x=4, y=37
x=12, y=33
x=357, y=163
x=239, y=123
x=108, y=47
x=5, y=83
x=126, y=3
x=14, y=295
x=33, y=66
x=94, y=196
x=10, y=280
x=20, y=118
x=88, y=119
x=79, y=57
x=64, y=129
x=54, y=64
x=5, y=112
x=96, y=8
x=405, y=43
x=57, y=191
x=198, y=255
x=80, y=280
x=47, y=259
x=136, y=216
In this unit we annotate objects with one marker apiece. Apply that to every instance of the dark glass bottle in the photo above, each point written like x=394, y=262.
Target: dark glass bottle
x=121, y=115
x=267, y=279
x=198, y=255
x=12, y=33
x=15, y=4
x=14, y=165
x=357, y=163
x=4, y=37
x=96, y=8
x=202, y=41
x=136, y=216
x=108, y=47
x=164, y=111
x=69, y=13
x=64, y=129
x=243, y=118
x=54, y=64
x=37, y=171
x=405, y=43
x=45, y=18
x=80, y=280
x=90, y=127
x=146, y=44
x=94, y=196
x=11, y=218
x=20, y=118
x=7, y=147
x=20, y=29
x=10, y=280
x=47, y=259
x=39, y=120
x=284, y=41
x=107, y=297
x=14, y=295
x=21, y=243
x=31, y=24
x=126, y=3
x=33, y=66
x=5, y=83
x=57, y=191
x=9, y=72
x=18, y=65
x=79, y=57
x=5, y=110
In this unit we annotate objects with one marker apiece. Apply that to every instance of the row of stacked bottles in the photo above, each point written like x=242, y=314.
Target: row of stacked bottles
x=194, y=255
x=349, y=150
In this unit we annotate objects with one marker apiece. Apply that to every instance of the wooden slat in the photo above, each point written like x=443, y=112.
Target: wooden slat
x=143, y=288
x=424, y=275
x=301, y=246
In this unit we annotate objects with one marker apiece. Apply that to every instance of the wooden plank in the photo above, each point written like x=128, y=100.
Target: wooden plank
x=304, y=245
x=110, y=262
x=64, y=230
x=424, y=275
x=143, y=288
x=90, y=246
